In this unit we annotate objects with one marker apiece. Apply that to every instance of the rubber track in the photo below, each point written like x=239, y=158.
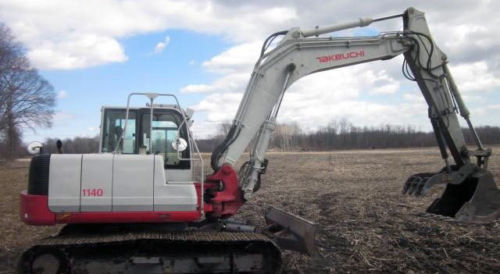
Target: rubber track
x=81, y=241
x=201, y=237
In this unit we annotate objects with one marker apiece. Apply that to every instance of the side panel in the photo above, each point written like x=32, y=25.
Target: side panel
x=173, y=195
x=64, y=182
x=133, y=182
x=179, y=175
x=97, y=178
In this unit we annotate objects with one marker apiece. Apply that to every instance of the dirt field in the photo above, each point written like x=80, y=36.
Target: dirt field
x=365, y=223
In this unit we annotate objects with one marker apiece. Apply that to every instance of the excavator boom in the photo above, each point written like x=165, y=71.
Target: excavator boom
x=302, y=52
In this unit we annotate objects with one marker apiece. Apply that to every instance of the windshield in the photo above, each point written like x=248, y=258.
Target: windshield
x=136, y=139
x=165, y=131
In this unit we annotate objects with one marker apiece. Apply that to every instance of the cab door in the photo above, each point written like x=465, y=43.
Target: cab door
x=173, y=183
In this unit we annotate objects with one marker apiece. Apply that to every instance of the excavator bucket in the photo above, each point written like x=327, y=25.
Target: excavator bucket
x=476, y=200
x=290, y=231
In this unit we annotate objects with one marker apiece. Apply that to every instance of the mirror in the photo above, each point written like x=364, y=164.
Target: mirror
x=189, y=113
x=179, y=144
x=34, y=148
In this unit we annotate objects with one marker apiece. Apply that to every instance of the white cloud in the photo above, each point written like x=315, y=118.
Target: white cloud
x=81, y=35
x=233, y=65
x=62, y=94
x=220, y=106
x=76, y=35
x=229, y=83
x=205, y=129
x=475, y=77
x=494, y=107
x=83, y=50
x=380, y=82
x=49, y=27
x=240, y=58
x=315, y=100
x=160, y=46
x=414, y=97
x=61, y=118
x=217, y=108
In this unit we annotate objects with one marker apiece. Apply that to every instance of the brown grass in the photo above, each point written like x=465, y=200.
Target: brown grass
x=15, y=236
x=365, y=223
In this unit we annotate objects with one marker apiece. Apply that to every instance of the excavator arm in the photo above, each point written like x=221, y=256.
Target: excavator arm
x=301, y=53
x=290, y=61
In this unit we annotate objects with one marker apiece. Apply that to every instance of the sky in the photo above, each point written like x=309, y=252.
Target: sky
x=96, y=52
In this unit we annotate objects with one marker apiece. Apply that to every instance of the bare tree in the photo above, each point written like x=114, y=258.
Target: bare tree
x=283, y=136
x=26, y=99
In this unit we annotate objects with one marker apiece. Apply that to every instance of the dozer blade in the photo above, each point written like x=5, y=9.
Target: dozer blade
x=477, y=199
x=290, y=231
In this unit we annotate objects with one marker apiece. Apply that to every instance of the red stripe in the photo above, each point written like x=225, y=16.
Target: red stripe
x=34, y=210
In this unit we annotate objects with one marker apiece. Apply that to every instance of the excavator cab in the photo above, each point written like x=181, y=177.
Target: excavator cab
x=155, y=129
x=168, y=127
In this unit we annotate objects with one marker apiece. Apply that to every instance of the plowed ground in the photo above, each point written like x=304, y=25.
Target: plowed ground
x=365, y=224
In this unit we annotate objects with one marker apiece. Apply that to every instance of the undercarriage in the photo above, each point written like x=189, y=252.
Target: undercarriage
x=212, y=246
x=139, y=249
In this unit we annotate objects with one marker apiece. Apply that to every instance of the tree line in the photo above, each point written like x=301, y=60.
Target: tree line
x=341, y=134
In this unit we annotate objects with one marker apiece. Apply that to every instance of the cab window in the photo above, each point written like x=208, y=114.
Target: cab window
x=165, y=131
x=114, y=124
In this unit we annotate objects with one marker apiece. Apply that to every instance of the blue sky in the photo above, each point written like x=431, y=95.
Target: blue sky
x=95, y=52
x=83, y=91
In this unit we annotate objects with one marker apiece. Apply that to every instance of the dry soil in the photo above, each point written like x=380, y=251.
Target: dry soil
x=365, y=224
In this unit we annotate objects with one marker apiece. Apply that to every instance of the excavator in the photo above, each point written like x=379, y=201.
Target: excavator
x=136, y=207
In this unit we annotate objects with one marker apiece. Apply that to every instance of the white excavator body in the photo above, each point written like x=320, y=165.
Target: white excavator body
x=144, y=173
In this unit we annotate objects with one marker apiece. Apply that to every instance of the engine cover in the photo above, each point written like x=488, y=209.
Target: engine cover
x=88, y=187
